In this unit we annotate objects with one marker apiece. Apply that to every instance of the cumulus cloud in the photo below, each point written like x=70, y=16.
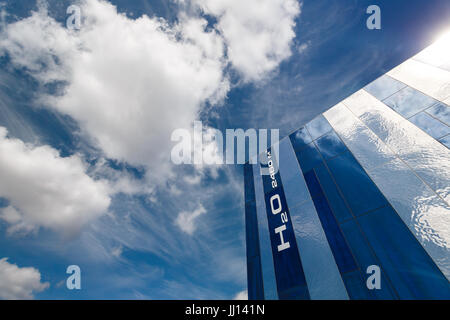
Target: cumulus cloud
x=186, y=220
x=129, y=83
x=19, y=283
x=258, y=33
x=46, y=190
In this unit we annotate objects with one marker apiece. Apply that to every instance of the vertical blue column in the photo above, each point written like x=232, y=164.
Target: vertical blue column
x=254, y=273
x=291, y=282
x=268, y=271
x=324, y=282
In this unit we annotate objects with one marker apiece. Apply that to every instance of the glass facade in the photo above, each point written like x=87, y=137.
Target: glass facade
x=357, y=205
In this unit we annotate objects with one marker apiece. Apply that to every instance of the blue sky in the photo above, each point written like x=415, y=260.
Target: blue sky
x=70, y=98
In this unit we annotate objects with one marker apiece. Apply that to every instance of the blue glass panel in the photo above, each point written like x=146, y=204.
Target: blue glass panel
x=341, y=252
x=330, y=189
x=313, y=186
x=265, y=247
x=296, y=293
x=330, y=145
x=251, y=229
x=308, y=157
x=318, y=127
x=411, y=270
x=409, y=101
x=249, y=192
x=288, y=267
x=358, y=189
x=440, y=111
x=445, y=141
x=356, y=287
x=430, y=125
x=364, y=257
x=384, y=87
x=291, y=175
x=324, y=282
x=300, y=138
x=254, y=279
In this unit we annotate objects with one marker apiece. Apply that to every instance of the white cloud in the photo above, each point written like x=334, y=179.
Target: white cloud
x=130, y=83
x=243, y=295
x=258, y=33
x=19, y=283
x=186, y=220
x=46, y=190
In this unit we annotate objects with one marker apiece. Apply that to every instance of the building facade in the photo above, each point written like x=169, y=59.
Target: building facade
x=356, y=205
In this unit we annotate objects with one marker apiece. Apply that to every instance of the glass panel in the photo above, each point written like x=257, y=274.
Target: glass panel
x=411, y=270
x=330, y=189
x=430, y=80
x=268, y=272
x=363, y=143
x=356, y=288
x=360, y=192
x=341, y=252
x=324, y=282
x=300, y=138
x=430, y=125
x=425, y=214
x=251, y=229
x=441, y=112
x=426, y=156
x=330, y=145
x=292, y=176
x=308, y=157
x=249, y=192
x=445, y=141
x=291, y=282
x=318, y=127
x=409, y=101
x=364, y=257
x=254, y=279
x=384, y=87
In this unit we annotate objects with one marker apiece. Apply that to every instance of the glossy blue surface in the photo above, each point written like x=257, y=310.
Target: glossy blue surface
x=359, y=191
x=254, y=279
x=341, y=252
x=265, y=247
x=411, y=270
x=445, y=141
x=425, y=214
x=330, y=145
x=318, y=127
x=291, y=175
x=356, y=287
x=441, y=112
x=308, y=157
x=300, y=138
x=291, y=282
x=365, y=257
x=254, y=273
x=337, y=204
x=249, y=192
x=384, y=87
x=430, y=125
x=409, y=101
x=324, y=282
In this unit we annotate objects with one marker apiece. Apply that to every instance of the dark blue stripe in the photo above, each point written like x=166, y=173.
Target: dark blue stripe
x=254, y=271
